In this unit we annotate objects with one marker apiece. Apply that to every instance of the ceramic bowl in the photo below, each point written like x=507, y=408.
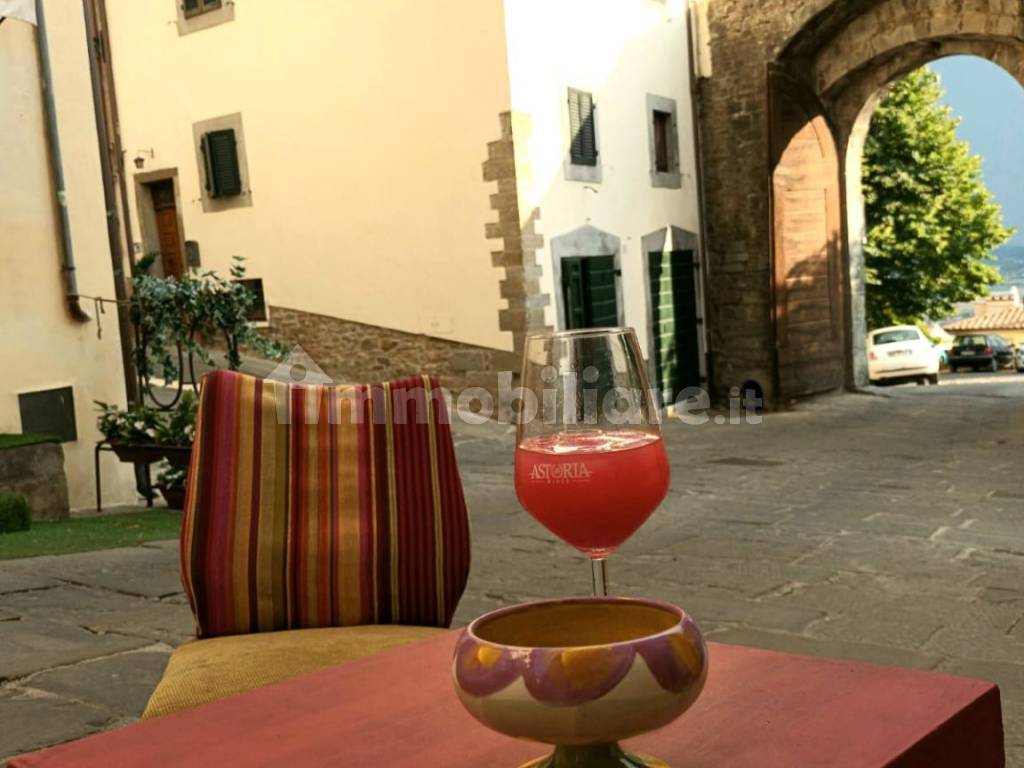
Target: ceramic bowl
x=580, y=673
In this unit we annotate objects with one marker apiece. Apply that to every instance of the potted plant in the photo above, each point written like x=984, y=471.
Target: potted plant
x=171, y=484
x=177, y=430
x=132, y=433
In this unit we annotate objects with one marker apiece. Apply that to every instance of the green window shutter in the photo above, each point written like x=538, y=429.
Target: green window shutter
x=220, y=154
x=574, y=293
x=589, y=292
x=602, y=298
x=675, y=325
x=583, y=149
x=191, y=6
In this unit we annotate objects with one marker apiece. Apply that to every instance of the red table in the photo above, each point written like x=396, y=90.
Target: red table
x=397, y=709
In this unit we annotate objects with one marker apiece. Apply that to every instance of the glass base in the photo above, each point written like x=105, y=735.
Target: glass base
x=598, y=756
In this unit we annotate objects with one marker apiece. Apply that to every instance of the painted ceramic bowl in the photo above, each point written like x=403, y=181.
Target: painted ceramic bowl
x=580, y=673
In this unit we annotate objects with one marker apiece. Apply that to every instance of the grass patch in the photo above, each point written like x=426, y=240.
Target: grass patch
x=17, y=441
x=87, y=534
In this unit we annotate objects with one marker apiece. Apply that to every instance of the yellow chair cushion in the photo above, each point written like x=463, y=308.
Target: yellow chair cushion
x=202, y=671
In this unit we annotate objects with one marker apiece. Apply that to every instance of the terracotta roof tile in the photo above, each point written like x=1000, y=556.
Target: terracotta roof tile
x=1010, y=319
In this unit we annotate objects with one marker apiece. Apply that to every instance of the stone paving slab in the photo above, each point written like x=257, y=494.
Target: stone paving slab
x=144, y=571
x=32, y=721
x=31, y=645
x=121, y=684
x=105, y=611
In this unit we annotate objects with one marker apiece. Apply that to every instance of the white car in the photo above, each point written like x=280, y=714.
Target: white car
x=902, y=353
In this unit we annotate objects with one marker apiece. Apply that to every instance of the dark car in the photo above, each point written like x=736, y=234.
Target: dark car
x=977, y=352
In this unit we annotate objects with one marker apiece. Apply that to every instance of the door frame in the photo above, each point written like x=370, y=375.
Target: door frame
x=148, y=234
x=585, y=242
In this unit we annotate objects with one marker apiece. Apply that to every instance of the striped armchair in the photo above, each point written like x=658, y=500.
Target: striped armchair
x=321, y=524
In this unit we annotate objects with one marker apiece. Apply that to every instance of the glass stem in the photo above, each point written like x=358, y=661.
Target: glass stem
x=599, y=571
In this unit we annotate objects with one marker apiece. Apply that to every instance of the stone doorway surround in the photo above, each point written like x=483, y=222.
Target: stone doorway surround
x=845, y=52
x=584, y=242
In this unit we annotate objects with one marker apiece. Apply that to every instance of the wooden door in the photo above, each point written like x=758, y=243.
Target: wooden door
x=675, y=326
x=807, y=268
x=168, y=233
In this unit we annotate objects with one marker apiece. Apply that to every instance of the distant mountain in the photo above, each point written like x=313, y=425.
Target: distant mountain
x=1010, y=261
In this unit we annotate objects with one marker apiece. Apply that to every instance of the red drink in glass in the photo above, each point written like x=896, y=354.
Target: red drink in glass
x=592, y=489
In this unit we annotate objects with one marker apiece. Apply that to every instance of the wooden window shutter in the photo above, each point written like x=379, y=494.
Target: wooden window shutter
x=583, y=149
x=220, y=154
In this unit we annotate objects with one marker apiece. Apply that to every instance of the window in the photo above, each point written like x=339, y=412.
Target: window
x=196, y=7
x=663, y=135
x=257, y=313
x=583, y=133
x=222, y=164
x=197, y=15
x=662, y=131
x=897, y=336
x=49, y=412
x=220, y=158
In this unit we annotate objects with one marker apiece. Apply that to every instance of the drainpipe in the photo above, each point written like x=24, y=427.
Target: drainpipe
x=698, y=152
x=67, y=253
x=100, y=99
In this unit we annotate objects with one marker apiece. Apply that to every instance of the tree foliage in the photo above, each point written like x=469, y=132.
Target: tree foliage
x=932, y=223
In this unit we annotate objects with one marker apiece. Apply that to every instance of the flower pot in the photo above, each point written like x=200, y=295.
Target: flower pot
x=178, y=455
x=138, y=454
x=174, y=496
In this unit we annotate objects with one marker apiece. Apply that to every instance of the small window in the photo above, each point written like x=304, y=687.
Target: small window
x=583, y=148
x=662, y=134
x=220, y=156
x=49, y=412
x=663, y=137
x=258, y=310
x=196, y=7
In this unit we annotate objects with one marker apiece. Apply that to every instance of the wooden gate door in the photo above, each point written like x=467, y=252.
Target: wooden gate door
x=807, y=266
x=167, y=229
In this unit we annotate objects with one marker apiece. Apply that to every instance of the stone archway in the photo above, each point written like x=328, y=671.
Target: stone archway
x=843, y=53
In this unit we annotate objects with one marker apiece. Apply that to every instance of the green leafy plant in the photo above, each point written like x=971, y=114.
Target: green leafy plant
x=178, y=426
x=172, y=477
x=138, y=424
x=14, y=513
x=187, y=316
x=932, y=223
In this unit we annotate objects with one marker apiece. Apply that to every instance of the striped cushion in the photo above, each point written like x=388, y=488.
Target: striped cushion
x=322, y=507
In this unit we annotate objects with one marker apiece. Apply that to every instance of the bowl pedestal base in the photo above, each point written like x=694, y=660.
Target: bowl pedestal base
x=597, y=756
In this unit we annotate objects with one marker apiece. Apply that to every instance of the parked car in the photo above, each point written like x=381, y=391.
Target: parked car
x=978, y=352
x=902, y=353
x=1020, y=358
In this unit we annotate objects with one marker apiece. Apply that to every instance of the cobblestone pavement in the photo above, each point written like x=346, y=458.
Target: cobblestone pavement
x=882, y=527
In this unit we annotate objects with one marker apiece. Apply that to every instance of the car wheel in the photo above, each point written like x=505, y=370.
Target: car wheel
x=933, y=379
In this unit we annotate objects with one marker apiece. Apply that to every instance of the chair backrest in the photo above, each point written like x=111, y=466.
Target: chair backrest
x=314, y=506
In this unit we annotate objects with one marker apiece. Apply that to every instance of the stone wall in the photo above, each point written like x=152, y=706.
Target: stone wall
x=517, y=256
x=37, y=473
x=348, y=351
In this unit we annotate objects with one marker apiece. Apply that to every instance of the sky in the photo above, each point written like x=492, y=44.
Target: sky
x=991, y=104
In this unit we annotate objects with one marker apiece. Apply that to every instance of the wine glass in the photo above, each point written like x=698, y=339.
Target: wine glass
x=590, y=461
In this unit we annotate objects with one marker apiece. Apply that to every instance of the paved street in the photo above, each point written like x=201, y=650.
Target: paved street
x=882, y=527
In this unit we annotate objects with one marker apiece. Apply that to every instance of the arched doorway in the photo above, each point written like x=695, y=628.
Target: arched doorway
x=823, y=89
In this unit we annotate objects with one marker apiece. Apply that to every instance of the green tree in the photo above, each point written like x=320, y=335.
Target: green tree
x=932, y=223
